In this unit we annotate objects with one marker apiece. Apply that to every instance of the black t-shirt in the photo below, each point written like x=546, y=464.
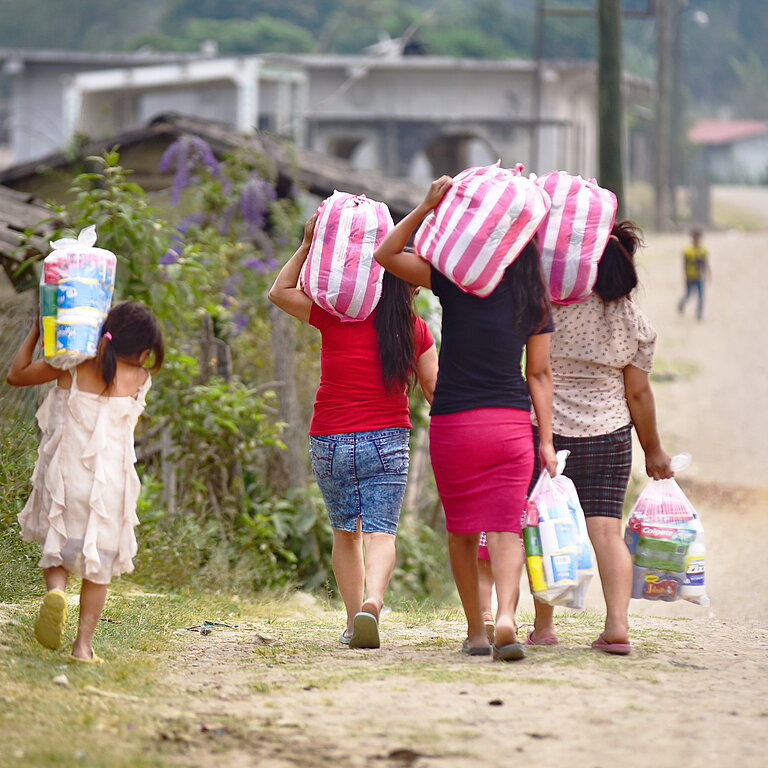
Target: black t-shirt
x=481, y=349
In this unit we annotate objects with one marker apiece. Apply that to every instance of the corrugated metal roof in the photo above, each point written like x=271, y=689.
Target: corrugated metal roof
x=320, y=174
x=20, y=211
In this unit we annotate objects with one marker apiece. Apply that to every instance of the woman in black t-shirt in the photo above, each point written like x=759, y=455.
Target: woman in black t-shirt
x=481, y=441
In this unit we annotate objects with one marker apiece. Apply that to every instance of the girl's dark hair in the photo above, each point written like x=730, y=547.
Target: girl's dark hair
x=130, y=328
x=396, y=332
x=530, y=290
x=616, y=273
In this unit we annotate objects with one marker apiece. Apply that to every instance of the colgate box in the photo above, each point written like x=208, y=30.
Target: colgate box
x=662, y=547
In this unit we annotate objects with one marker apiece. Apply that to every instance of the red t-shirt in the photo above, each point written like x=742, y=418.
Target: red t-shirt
x=352, y=396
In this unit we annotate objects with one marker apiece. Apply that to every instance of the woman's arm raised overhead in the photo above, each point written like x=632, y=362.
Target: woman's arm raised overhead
x=391, y=254
x=284, y=292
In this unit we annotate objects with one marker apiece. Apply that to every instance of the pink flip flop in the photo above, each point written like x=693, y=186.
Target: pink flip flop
x=620, y=649
x=546, y=640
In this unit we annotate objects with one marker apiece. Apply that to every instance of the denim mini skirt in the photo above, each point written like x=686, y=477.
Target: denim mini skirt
x=362, y=476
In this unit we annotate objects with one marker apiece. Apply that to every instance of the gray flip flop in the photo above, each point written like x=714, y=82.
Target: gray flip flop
x=475, y=650
x=509, y=652
x=365, y=631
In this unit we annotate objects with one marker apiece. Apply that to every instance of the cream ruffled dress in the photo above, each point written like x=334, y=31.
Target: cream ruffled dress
x=85, y=487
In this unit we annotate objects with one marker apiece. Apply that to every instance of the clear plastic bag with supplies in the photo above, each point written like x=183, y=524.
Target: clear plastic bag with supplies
x=666, y=539
x=558, y=555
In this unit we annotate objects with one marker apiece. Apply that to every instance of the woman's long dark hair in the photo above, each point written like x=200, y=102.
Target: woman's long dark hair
x=396, y=332
x=530, y=291
x=616, y=273
x=129, y=329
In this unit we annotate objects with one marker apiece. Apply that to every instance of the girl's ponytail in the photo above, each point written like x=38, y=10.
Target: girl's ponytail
x=106, y=359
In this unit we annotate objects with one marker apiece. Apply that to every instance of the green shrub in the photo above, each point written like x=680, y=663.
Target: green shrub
x=19, y=573
x=422, y=569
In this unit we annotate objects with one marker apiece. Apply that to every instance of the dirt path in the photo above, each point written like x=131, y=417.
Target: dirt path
x=694, y=692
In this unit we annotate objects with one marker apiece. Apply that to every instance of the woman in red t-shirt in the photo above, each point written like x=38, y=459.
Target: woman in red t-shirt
x=359, y=435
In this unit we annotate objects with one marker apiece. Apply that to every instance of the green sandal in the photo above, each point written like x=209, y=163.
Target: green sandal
x=94, y=659
x=49, y=626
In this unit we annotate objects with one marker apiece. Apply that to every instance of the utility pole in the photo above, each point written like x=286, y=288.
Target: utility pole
x=538, y=56
x=610, y=103
x=609, y=82
x=663, y=150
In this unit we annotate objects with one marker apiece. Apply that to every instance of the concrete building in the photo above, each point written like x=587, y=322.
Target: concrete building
x=40, y=80
x=412, y=117
x=732, y=151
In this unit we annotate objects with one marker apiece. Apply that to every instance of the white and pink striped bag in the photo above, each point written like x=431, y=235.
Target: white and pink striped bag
x=481, y=225
x=340, y=273
x=574, y=234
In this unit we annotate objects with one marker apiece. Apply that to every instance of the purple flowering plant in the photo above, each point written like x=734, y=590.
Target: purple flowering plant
x=187, y=157
x=236, y=228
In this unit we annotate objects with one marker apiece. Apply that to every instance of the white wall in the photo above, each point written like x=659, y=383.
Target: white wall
x=745, y=162
x=36, y=123
x=210, y=101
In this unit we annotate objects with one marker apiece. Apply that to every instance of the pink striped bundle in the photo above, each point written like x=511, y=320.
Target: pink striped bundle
x=481, y=225
x=340, y=273
x=574, y=235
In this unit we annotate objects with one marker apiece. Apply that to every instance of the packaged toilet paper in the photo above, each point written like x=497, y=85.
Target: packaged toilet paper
x=76, y=288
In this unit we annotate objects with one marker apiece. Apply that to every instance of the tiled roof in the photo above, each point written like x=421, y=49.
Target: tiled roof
x=714, y=132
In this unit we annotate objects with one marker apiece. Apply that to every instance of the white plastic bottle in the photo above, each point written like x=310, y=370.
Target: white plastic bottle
x=693, y=589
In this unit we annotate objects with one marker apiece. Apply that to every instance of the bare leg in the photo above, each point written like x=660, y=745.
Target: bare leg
x=52, y=616
x=380, y=555
x=615, y=566
x=543, y=622
x=485, y=577
x=349, y=570
x=56, y=578
x=462, y=548
x=92, y=597
x=507, y=566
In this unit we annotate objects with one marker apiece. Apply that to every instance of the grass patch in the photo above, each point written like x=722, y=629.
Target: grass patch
x=665, y=370
x=732, y=216
x=48, y=724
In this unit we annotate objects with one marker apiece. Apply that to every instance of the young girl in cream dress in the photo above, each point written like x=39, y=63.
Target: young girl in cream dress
x=82, y=508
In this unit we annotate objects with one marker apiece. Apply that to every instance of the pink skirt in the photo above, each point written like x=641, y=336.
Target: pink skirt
x=483, y=463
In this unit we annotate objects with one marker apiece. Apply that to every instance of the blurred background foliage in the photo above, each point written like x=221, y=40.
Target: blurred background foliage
x=725, y=62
